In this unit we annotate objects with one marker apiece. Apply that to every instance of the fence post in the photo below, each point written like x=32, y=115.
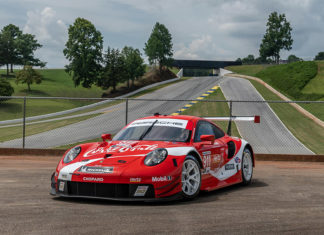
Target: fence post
x=24, y=122
x=229, y=128
x=126, y=113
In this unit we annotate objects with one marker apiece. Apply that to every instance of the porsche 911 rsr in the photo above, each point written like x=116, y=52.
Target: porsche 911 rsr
x=156, y=157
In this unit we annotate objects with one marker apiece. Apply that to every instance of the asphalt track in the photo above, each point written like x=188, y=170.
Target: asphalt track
x=271, y=136
x=113, y=118
x=284, y=198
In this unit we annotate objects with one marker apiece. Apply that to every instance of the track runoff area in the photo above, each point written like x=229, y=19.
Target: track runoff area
x=284, y=197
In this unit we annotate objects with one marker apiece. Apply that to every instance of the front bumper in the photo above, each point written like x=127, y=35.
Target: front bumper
x=111, y=191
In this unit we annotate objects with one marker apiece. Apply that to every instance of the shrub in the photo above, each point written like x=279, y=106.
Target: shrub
x=5, y=89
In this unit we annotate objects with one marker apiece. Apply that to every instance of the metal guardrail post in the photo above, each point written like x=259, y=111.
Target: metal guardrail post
x=24, y=122
x=126, y=113
x=229, y=128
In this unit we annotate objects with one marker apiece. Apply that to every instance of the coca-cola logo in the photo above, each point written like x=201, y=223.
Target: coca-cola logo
x=120, y=149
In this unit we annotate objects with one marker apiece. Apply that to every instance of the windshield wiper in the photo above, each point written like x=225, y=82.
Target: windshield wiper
x=147, y=130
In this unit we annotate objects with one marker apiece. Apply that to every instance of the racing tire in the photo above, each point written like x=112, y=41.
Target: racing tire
x=190, y=178
x=247, y=167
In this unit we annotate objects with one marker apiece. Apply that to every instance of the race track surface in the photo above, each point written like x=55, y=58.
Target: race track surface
x=271, y=136
x=113, y=118
x=285, y=198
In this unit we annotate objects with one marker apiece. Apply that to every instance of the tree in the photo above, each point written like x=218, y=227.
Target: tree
x=26, y=45
x=9, y=36
x=159, y=46
x=319, y=56
x=238, y=60
x=5, y=88
x=84, y=51
x=248, y=60
x=277, y=37
x=134, y=64
x=293, y=58
x=113, y=71
x=29, y=76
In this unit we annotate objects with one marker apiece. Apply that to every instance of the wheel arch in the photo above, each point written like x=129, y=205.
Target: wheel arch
x=249, y=147
x=197, y=157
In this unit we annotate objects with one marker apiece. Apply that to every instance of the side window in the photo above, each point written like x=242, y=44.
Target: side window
x=218, y=132
x=203, y=128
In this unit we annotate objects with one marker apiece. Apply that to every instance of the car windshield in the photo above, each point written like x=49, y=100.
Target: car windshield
x=157, y=133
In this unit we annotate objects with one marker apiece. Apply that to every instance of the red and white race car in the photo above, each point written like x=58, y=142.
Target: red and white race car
x=156, y=157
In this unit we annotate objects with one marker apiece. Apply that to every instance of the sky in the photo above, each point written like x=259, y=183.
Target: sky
x=200, y=29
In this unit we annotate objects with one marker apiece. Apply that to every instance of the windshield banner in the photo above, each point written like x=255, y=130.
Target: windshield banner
x=161, y=122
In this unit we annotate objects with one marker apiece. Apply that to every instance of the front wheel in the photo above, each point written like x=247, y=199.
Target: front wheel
x=191, y=177
x=247, y=167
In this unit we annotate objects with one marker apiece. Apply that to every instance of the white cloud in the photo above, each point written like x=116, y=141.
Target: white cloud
x=201, y=29
x=50, y=31
x=46, y=26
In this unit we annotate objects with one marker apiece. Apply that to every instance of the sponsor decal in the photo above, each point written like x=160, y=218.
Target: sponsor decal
x=161, y=122
x=237, y=160
x=229, y=167
x=206, y=161
x=121, y=149
x=161, y=178
x=93, y=179
x=64, y=176
x=61, y=186
x=206, y=153
x=135, y=180
x=140, y=191
x=216, y=158
x=96, y=169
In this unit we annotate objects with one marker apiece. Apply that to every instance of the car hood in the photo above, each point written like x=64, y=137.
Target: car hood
x=125, y=149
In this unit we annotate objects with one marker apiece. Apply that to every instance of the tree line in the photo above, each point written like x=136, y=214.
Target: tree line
x=17, y=48
x=90, y=65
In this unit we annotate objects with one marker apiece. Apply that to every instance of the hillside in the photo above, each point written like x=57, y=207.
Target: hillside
x=300, y=80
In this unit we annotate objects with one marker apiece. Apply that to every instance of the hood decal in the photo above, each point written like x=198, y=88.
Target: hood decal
x=66, y=172
x=120, y=149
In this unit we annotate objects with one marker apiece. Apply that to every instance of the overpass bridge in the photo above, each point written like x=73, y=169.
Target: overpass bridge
x=203, y=64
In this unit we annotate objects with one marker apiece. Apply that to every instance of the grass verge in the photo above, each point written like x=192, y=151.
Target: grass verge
x=10, y=133
x=213, y=109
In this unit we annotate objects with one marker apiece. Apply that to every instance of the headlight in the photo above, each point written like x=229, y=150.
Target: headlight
x=72, y=154
x=155, y=157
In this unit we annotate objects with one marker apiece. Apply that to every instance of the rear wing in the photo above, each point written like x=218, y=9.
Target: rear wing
x=255, y=119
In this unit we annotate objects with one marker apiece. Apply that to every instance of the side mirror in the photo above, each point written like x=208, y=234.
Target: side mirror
x=208, y=138
x=105, y=137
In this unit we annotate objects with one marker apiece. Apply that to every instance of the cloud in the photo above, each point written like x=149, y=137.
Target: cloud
x=46, y=26
x=208, y=29
x=50, y=31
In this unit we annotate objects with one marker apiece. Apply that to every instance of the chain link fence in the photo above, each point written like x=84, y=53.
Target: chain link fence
x=41, y=122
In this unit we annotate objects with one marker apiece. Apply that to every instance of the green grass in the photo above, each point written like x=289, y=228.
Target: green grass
x=10, y=133
x=250, y=70
x=213, y=109
x=290, y=79
x=316, y=85
x=56, y=82
x=304, y=129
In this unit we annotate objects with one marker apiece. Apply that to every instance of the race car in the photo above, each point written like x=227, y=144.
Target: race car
x=155, y=158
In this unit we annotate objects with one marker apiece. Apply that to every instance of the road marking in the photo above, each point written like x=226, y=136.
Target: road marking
x=203, y=96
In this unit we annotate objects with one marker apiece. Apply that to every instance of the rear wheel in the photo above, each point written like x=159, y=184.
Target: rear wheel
x=247, y=167
x=191, y=177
